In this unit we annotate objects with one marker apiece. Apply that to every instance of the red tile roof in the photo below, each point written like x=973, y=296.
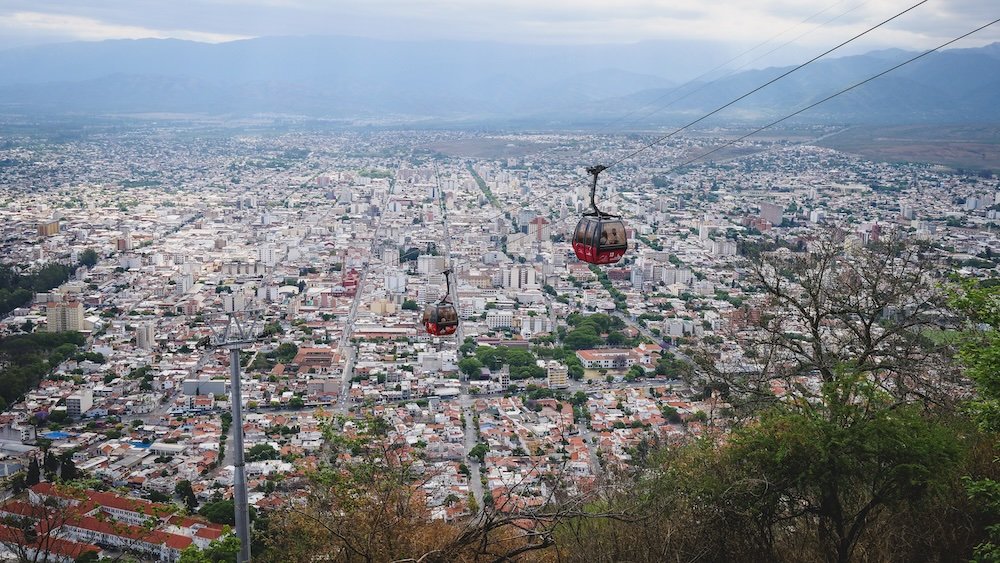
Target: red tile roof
x=136, y=533
x=209, y=533
x=54, y=546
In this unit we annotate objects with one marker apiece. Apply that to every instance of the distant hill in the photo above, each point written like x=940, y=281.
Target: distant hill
x=344, y=77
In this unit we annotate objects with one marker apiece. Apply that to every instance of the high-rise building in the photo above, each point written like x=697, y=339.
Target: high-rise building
x=519, y=277
x=503, y=378
x=125, y=242
x=183, y=283
x=539, y=229
x=65, y=316
x=145, y=335
x=234, y=302
x=430, y=264
x=395, y=282
x=558, y=375
x=532, y=326
x=723, y=247
x=267, y=255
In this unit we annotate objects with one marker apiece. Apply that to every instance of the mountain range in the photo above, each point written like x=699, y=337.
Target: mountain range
x=374, y=80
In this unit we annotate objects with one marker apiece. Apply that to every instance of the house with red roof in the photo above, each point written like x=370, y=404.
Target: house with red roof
x=122, y=523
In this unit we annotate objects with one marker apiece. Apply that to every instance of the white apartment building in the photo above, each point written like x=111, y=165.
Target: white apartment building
x=606, y=358
x=519, y=277
x=80, y=402
x=496, y=318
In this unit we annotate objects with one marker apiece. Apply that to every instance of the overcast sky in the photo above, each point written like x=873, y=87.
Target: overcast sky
x=733, y=24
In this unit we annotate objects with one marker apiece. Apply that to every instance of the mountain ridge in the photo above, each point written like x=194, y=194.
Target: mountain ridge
x=347, y=77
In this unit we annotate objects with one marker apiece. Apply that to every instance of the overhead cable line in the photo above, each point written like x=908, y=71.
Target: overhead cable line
x=704, y=85
x=659, y=140
x=834, y=95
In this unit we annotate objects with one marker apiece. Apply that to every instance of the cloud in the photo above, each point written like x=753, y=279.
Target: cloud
x=90, y=29
x=729, y=22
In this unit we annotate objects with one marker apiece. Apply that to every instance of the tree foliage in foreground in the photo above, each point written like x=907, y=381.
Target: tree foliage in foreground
x=980, y=352
x=219, y=551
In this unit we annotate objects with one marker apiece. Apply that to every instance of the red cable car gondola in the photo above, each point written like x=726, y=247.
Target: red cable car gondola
x=599, y=237
x=441, y=318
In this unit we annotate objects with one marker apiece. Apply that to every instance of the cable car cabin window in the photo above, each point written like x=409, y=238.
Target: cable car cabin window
x=447, y=315
x=588, y=247
x=612, y=235
x=581, y=232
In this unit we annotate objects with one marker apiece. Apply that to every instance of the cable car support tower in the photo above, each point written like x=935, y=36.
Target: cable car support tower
x=239, y=330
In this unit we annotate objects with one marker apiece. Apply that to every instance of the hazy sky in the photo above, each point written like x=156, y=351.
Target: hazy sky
x=731, y=23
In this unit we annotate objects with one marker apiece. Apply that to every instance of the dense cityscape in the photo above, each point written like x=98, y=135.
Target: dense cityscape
x=124, y=252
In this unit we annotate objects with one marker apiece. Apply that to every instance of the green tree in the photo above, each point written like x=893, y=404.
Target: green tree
x=17, y=483
x=470, y=366
x=286, y=352
x=841, y=463
x=223, y=512
x=184, y=490
x=671, y=414
x=50, y=463
x=222, y=550
x=490, y=357
x=87, y=557
x=468, y=346
x=260, y=452
x=479, y=451
x=88, y=258
x=582, y=338
x=616, y=338
x=33, y=476
x=635, y=372
x=980, y=353
x=409, y=305
x=61, y=353
x=58, y=416
x=67, y=468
